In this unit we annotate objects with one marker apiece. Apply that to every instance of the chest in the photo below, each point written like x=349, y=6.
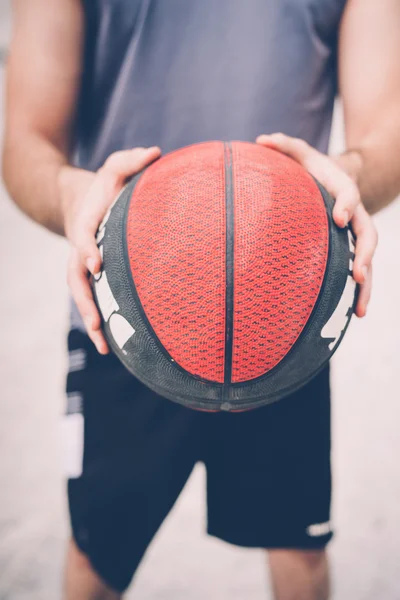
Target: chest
x=221, y=19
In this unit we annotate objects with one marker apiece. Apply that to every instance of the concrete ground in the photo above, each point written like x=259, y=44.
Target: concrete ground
x=183, y=563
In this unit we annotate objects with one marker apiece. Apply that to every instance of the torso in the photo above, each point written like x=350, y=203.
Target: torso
x=175, y=72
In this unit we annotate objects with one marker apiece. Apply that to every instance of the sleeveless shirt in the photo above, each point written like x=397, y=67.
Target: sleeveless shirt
x=175, y=72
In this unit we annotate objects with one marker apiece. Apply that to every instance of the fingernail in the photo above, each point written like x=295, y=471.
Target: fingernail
x=90, y=264
x=345, y=218
x=364, y=271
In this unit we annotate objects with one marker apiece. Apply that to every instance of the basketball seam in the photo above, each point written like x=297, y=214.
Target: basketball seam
x=229, y=269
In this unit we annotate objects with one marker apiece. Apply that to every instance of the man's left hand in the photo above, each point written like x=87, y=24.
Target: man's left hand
x=348, y=204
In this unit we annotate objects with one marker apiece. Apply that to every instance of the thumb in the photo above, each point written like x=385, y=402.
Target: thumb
x=124, y=163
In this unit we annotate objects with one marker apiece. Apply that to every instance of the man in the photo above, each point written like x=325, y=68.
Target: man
x=87, y=82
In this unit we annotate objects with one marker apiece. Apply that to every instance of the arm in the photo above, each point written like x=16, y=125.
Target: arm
x=367, y=176
x=43, y=79
x=369, y=81
x=43, y=73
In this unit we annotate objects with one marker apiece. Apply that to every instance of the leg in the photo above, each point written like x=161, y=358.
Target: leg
x=81, y=581
x=299, y=575
x=129, y=454
x=269, y=486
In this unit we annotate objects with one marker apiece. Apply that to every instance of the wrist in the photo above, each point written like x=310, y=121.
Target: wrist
x=65, y=185
x=73, y=185
x=352, y=162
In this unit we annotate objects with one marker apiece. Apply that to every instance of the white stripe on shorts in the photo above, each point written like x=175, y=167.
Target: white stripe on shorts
x=77, y=360
x=72, y=429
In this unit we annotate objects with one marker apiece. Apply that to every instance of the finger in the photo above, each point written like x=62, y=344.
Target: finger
x=324, y=169
x=293, y=147
x=364, y=295
x=347, y=198
x=125, y=163
x=367, y=240
x=83, y=233
x=83, y=297
x=89, y=253
x=107, y=184
x=98, y=199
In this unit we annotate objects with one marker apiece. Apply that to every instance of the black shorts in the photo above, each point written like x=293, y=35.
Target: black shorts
x=130, y=453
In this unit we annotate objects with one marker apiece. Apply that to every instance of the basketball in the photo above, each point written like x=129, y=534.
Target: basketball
x=225, y=283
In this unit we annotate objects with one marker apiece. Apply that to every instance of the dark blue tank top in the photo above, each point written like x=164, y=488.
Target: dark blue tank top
x=176, y=72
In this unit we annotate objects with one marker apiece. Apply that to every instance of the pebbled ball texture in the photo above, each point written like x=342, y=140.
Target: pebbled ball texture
x=176, y=237
x=176, y=247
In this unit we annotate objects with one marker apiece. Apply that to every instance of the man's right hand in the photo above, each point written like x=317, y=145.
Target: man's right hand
x=86, y=198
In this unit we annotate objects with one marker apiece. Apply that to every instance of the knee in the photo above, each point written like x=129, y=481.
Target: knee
x=311, y=559
x=300, y=573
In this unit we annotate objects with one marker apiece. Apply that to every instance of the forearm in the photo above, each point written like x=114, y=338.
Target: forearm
x=41, y=182
x=373, y=164
x=31, y=168
x=43, y=75
x=369, y=85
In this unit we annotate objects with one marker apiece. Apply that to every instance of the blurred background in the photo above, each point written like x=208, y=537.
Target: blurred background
x=183, y=563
